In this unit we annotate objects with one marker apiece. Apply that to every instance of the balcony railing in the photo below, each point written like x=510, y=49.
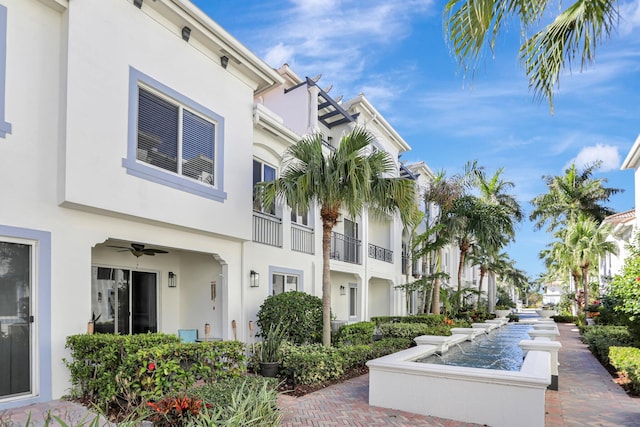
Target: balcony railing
x=267, y=229
x=345, y=248
x=302, y=239
x=379, y=253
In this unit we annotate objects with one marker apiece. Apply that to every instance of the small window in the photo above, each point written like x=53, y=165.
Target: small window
x=262, y=172
x=284, y=283
x=353, y=301
x=300, y=216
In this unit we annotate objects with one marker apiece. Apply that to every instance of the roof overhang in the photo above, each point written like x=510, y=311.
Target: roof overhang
x=633, y=158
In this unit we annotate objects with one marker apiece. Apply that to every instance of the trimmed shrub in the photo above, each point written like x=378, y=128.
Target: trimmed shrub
x=600, y=338
x=356, y=333
x=627, y=361
x=105, y=367
x=429, y=319
x=299, y=313
x=312, y=363
x=412, y=330
x=388, y=346
x=559, y=318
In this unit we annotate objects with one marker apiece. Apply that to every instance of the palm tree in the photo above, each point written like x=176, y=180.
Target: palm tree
x=588, y=243
x=443, y=194
x=575, y=33
x=569, y=195
x=480, y=223
x=494, y=190
x=351, y=178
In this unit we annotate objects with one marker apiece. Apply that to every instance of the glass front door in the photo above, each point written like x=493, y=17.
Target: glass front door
x=123, y=301
x=15, y=318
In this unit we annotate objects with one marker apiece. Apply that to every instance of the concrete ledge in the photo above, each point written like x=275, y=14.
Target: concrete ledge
x=492, y=397
x=442, y=343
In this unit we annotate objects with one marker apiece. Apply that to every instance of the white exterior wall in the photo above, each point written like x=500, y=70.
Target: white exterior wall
x=67, y=98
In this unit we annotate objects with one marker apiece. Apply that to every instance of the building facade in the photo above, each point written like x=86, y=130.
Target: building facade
x=145, y=126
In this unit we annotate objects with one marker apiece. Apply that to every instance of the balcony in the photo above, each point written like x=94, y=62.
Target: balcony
x=302, y=239
x=267, y=229
x=379, y=253
x=345, y=248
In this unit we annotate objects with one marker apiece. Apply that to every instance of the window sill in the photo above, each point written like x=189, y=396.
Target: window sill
x=171, y=180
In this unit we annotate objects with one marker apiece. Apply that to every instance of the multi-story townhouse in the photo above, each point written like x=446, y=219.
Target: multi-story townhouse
x=139, y=121
x=123, y=125
x=365, y=251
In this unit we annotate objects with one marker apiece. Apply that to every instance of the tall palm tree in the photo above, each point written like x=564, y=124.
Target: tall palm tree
x=473, y=25
x=351, y=178
x=493, y=189
x=588, y=243
x=481, y=223
x=445, y=193
x=571, y=194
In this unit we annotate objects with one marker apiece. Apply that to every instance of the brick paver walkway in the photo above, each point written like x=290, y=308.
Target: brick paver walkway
x=587, y=397
x=587, y=394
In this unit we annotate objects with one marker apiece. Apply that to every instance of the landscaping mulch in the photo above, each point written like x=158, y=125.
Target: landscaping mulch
x=298, y=390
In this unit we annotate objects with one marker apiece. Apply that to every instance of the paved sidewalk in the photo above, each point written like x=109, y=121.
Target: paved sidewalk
x=587, y=394
x=587, y=397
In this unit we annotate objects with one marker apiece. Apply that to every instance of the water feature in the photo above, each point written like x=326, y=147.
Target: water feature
x=496, y=350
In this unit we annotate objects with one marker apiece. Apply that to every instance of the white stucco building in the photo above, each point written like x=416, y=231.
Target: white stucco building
x=131, y=135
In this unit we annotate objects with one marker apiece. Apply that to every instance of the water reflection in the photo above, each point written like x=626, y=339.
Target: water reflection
x=497, y=350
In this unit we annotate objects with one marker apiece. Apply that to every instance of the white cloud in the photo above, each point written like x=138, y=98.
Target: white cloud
x=278, y=55
x=629, y=17
x=607, y=154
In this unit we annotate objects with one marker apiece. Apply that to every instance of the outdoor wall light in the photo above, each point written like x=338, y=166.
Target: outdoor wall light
x=186, y=33
x=137, y=3
x=254, y=279
x=224, y=61
x=173, y=279
x=343, y=290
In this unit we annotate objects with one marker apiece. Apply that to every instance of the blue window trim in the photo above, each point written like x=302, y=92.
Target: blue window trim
x=5, y=127
x=281, y=270
x=43, y=312
x=144, y=171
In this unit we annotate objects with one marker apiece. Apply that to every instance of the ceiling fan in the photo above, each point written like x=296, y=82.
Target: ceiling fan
x=138, y=250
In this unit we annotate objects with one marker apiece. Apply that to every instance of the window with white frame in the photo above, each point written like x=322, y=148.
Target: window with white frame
x=353, y=301
x=262, y=172
x=173, y=140
x=284, y=283
x=300, y=216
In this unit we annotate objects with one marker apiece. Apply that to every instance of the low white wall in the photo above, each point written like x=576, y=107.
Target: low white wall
x=483, y=396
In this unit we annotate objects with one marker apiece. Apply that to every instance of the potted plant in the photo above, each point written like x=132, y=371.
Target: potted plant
x=270, y=350
x=502, y=311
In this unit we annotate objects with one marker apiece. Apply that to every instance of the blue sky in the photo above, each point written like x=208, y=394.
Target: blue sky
x=394, y=52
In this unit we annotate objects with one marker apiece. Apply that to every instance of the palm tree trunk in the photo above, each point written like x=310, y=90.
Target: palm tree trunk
x=435, y=306
x=326, y=283
x=482, y=274
x=585, y=288
x=463, y=254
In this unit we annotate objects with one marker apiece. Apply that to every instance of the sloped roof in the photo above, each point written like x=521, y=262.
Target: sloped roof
x=621, y=217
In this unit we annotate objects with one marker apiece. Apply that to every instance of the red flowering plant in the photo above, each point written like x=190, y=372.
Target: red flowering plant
x=174, y=411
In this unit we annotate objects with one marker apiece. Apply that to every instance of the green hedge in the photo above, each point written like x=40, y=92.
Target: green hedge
x=564, y=319
x=600, y=338
x=429, y=319
x=412, y=330
x=355, y=333
x=627, y=361
x=106, y=367
x=314, y=364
